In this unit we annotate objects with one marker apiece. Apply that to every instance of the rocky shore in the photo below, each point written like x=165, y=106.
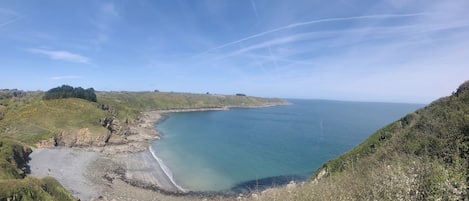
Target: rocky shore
x=115, y=171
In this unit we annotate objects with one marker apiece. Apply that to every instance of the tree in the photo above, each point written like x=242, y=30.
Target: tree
x=66, y=91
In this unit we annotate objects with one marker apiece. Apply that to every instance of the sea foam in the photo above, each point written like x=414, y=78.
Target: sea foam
x=166, y=170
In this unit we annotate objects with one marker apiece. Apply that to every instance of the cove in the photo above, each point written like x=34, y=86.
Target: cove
x=213, y=151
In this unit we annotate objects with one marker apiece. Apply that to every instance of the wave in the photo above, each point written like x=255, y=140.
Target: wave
x=166, y=170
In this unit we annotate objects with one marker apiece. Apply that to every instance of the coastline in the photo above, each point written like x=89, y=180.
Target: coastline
x=128, y=171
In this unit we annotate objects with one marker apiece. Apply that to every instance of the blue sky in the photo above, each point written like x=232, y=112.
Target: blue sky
x=396, y=50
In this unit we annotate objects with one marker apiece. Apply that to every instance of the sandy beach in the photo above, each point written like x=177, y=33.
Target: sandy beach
x=69, y=166
x=113, y=172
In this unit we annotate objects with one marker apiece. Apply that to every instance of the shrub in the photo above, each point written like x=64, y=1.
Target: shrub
x=66, y=91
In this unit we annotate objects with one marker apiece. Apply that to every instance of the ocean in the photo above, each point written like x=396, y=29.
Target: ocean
x=242, y=148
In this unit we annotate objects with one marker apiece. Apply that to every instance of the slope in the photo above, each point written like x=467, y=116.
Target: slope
x=77, y=122
x=14, y=183
x=423, y=156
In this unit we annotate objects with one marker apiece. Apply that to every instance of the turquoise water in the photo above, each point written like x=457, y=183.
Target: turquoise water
x=219, y=150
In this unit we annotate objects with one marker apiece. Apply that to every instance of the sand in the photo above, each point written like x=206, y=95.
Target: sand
x=115, y=172
x=121, y=172
x=68, y=166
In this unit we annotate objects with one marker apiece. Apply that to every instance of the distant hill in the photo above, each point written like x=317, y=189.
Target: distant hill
x=30, y=117
x=422, y=156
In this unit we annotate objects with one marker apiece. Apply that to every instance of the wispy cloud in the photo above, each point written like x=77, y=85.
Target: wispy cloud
x=339, y=39
x=300, y=24
x=106, y=16
x=254, y=8
x=65, y=77
x=10, y=16
x=61, y=55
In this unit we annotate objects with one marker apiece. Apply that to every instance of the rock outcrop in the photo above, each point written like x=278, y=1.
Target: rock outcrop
x=81, y=137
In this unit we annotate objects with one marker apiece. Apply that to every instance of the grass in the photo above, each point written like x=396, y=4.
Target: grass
x=130, y=104
x=13, y=157
x=422, y=156
x=31, y=188
x=31, y=119
x=13, y=183
x=40, y=119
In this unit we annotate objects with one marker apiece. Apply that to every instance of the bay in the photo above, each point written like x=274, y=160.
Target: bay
x=222, y=150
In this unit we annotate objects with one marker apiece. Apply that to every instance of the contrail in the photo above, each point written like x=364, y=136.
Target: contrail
x=9, y=22
x=255, y=9
x=299, y=24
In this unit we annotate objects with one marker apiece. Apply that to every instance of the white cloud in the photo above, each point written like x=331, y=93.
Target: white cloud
x=301, y=24
x=415, y=58
x=61, y=55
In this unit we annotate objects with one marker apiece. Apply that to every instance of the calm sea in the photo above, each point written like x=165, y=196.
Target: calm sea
x=222, y=150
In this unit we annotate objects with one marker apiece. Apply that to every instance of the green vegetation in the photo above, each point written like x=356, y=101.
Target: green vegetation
x=31, y=118
x=36, y=119
x=130, y=104
x=13, y=159
x=14, y=183
x=423, y=156
x=66, y=91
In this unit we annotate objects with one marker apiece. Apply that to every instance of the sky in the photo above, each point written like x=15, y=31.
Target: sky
x=366, y=50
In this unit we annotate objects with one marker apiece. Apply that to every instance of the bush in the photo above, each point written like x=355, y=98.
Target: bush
x=66, y=91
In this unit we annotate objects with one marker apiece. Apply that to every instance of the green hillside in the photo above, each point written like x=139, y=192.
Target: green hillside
x=15, y=185
x=423, y=156
x=130, y=104
x=34, y=119
x=30, y=118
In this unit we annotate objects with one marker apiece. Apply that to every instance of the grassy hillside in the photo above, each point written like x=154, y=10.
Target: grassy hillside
x=130, y=104
x=26, y=117
x=29, y=118
x=423, y=156
x=34, y=119
x=15, y=185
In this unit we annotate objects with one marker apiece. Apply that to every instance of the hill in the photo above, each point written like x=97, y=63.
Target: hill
x=32, y=119
x=422, y=156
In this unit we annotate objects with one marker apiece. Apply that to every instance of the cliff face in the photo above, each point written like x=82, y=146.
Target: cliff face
x=13, y=159
x=14, y=185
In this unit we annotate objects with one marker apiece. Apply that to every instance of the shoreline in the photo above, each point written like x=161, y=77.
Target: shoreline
x=166, y=170
x=121, y=171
